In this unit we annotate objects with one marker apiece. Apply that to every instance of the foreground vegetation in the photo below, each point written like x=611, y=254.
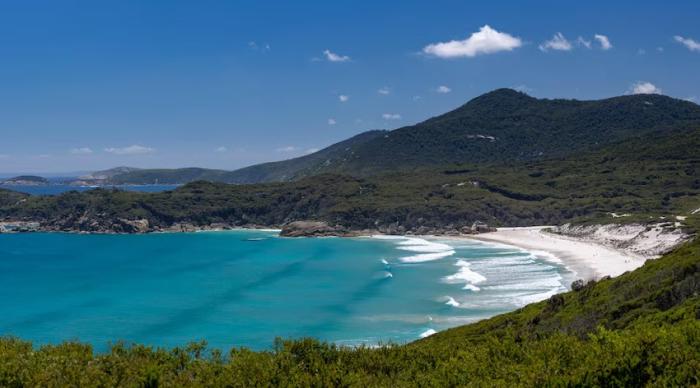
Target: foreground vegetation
x=642, y=328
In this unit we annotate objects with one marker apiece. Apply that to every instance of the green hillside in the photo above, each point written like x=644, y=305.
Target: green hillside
x=639, y=329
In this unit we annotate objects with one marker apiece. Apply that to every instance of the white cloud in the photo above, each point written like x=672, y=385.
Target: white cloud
x=583, y=42
x=259, y=47
x=287, y=149
x=603, y=41
x=558, y=42
x=660, y=49
x=690, y=43
x=343, y=98
x=691, y=99
x=43, y=156
x=485, y=41
x=81, y=151
x=221, y=149
x=416, y=98
x=333, y=57
x=131, y=150
x=311, y=151
x=443, y=89
x=643, y=87
x=332, y=122
x=391, y=116
x=641, y=51
x=384, y=91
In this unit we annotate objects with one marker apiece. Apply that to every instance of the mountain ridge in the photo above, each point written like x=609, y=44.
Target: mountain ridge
x=501, y=126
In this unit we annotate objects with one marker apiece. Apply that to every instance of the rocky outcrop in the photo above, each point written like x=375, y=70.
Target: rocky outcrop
x=311, y=229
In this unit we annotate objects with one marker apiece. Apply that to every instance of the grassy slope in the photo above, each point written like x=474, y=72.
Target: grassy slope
x=642, y=328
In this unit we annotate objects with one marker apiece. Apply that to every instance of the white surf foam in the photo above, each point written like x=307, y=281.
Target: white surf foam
x=452, y=302
x=421, y=245
x=464, y=275
x=427, y=333
x=426, y=257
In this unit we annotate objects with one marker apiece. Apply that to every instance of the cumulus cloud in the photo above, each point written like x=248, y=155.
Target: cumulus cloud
x=603, y=41
x=391, y=116
x=333, y=57
x=558, y=42
x=81, y=151
x=583, y=42
x=311, y=151
x=332, y=122
x=443, y=89
x=131, y=150
x=221, y=149
x=384, y=91
x=343, y=98
x=486, y=41
x=643, y=87
x=689, y=43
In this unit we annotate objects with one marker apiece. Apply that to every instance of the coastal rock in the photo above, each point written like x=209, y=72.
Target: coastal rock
x=311, y=229
x=137, y=226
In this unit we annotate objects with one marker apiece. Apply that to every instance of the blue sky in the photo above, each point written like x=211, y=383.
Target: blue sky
x=87, y=85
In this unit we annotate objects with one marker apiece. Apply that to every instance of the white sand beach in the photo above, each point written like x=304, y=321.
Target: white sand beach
x=588, y=259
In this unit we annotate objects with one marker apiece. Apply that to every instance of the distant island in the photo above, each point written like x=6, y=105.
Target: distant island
x=25, y=180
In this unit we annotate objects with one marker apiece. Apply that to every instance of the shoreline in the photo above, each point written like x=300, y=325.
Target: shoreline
x=587, y=259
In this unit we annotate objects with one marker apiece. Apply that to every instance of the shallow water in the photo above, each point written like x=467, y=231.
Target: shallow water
x=244, y=288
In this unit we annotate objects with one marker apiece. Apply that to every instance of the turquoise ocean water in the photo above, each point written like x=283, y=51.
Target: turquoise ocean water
x=244, y=288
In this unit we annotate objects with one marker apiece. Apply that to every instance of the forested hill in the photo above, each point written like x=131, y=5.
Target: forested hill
x=503, y=126
x=507, y=126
